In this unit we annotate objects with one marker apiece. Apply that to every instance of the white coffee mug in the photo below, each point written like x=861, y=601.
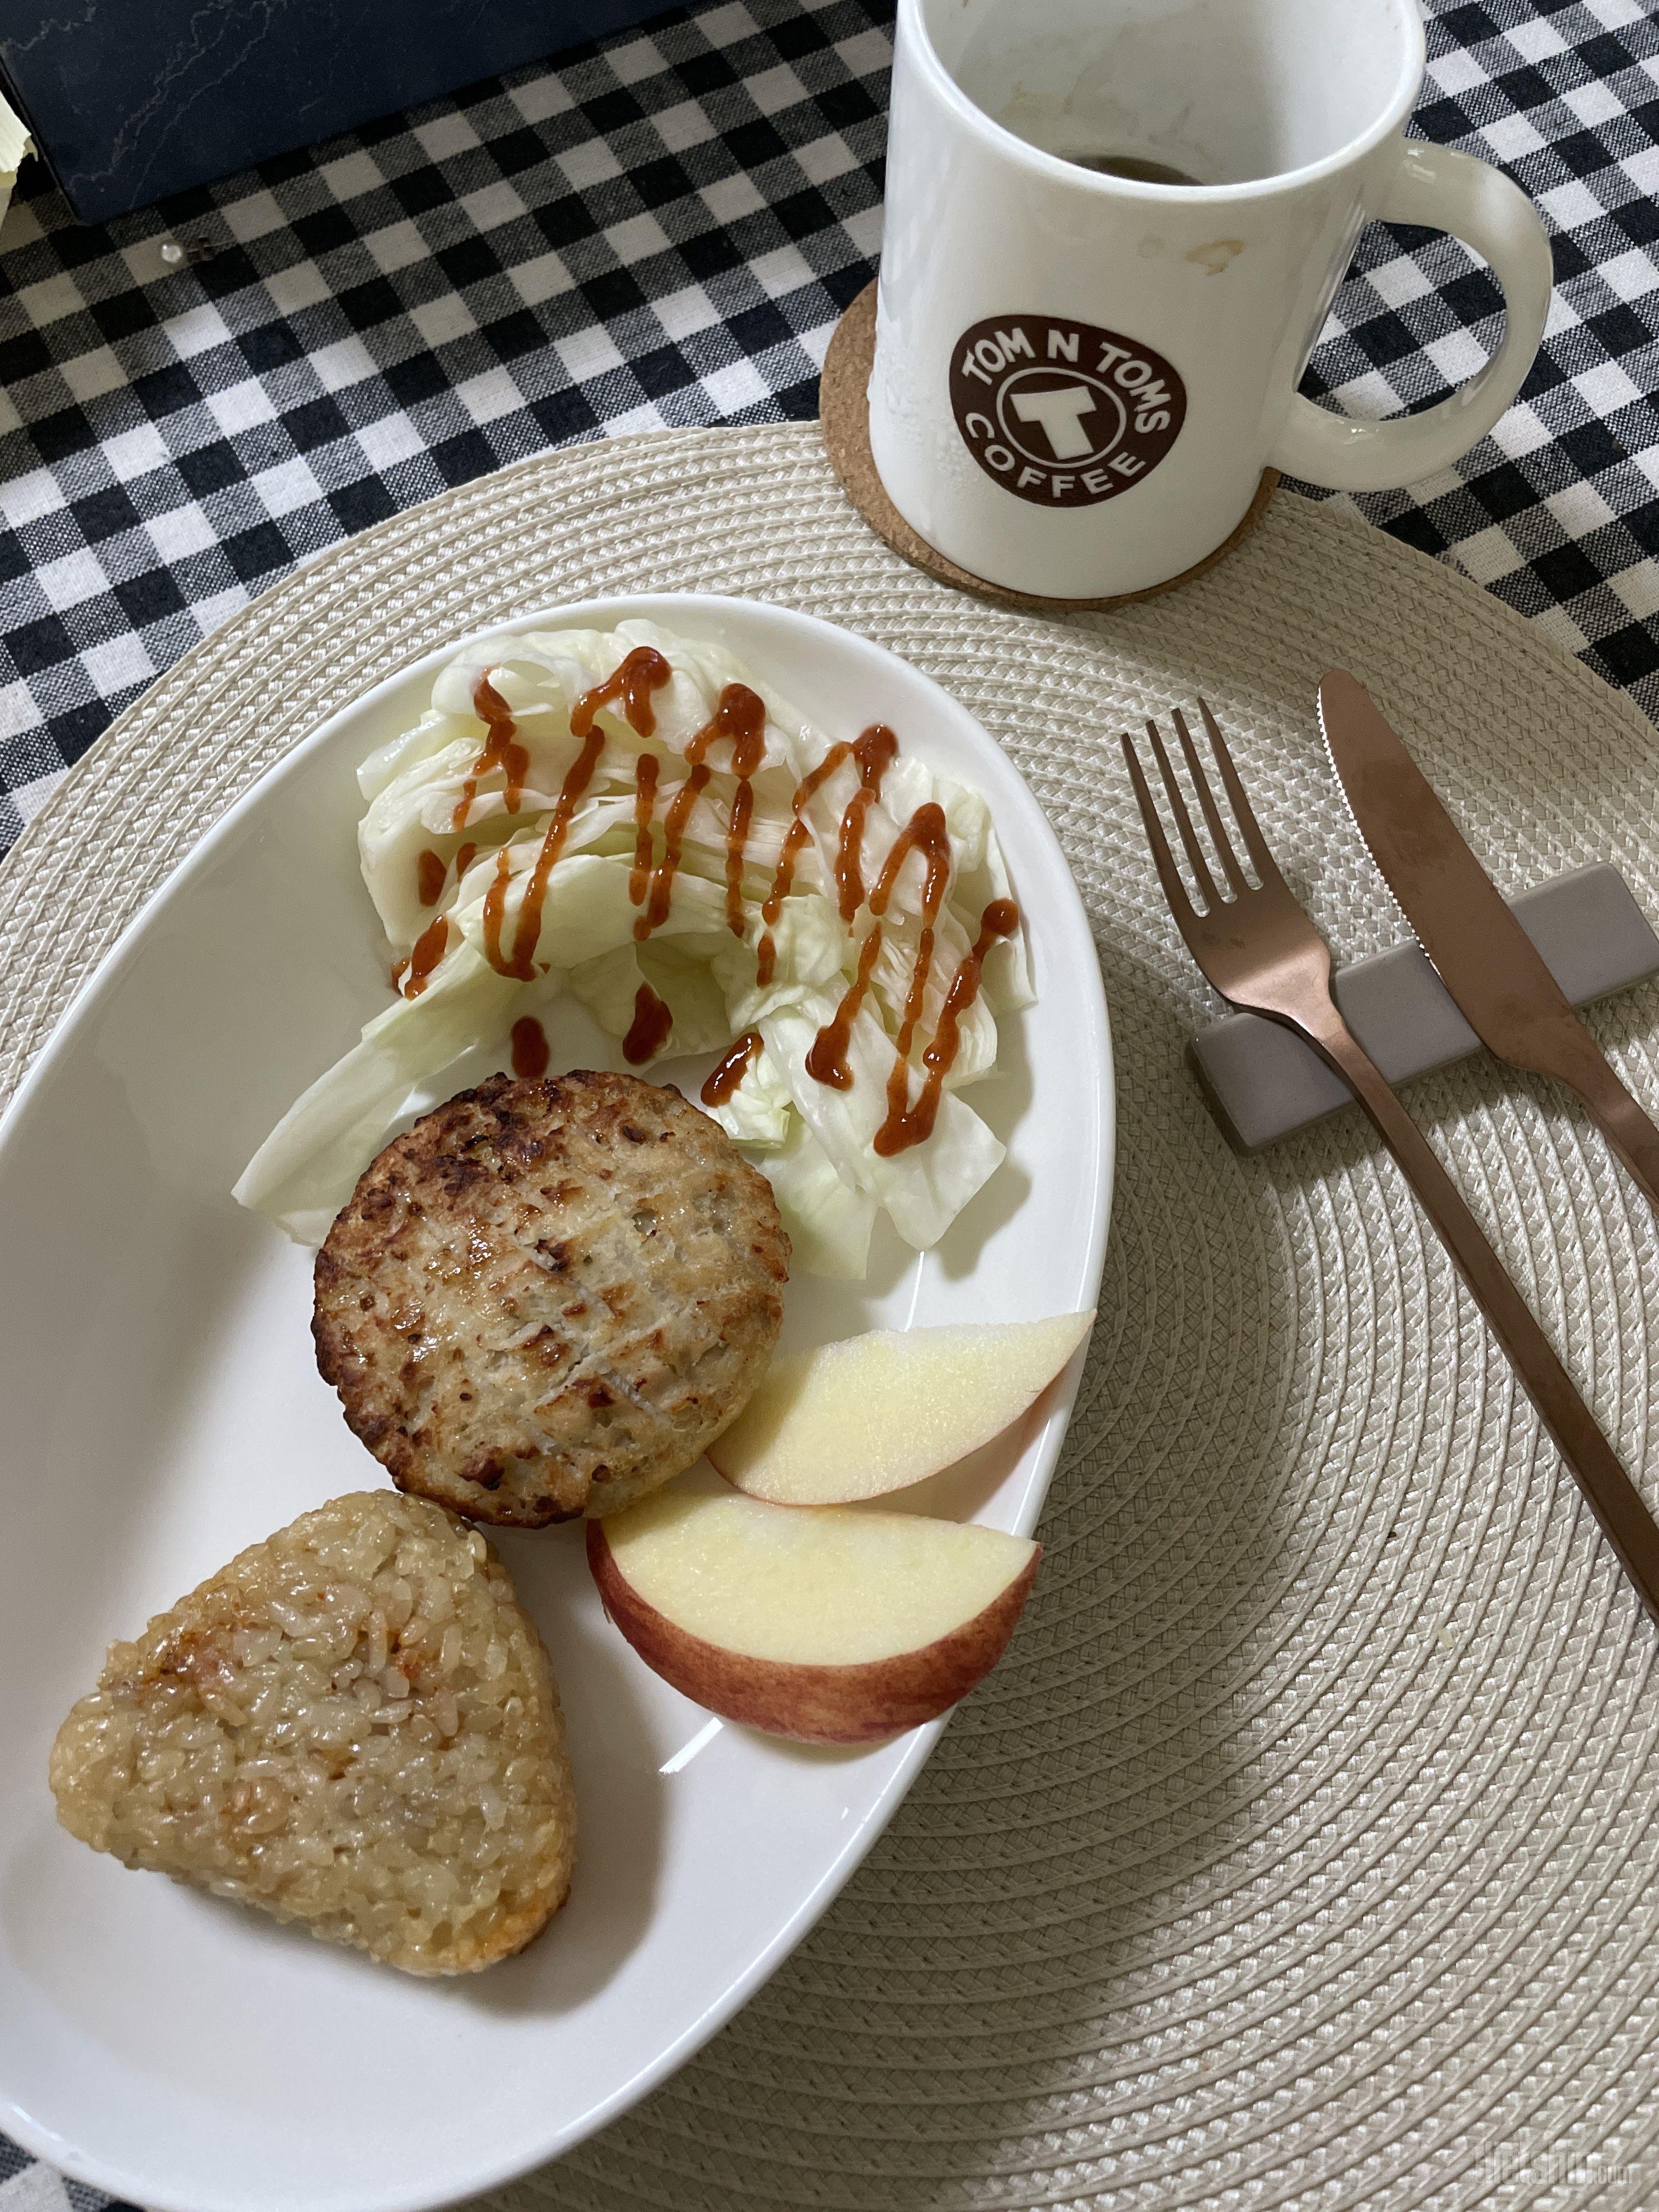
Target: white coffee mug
x=1080, y=377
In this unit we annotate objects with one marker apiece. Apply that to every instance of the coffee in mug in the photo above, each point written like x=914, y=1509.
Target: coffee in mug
x=1113, y=232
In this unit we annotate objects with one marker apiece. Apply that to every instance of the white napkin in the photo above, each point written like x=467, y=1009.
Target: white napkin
x=15, y=143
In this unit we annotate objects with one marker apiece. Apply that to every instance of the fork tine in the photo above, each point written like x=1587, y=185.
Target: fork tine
x=1223, y=843
x=1255, y=843
x=1168, y=875
x=1183, y=821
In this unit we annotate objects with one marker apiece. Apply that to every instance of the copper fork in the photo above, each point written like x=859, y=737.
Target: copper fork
x=1260, y=951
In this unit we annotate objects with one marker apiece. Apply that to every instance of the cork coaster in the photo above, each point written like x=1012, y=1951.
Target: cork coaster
x=844, y=418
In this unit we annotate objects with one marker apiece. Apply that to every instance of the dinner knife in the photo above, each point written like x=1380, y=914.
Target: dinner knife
x=1479, y=950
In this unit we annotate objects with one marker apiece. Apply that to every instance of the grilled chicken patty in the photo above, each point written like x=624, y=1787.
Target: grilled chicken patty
x=549, y=1297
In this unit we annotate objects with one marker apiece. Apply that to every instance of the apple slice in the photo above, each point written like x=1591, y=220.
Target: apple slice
x=881, y=1411
x=829, y=1625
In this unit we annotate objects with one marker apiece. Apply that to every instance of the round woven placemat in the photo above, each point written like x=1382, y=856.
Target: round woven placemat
x=1302, y=1853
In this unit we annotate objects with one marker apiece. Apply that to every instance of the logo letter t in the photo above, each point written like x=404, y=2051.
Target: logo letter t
x=1059, y=413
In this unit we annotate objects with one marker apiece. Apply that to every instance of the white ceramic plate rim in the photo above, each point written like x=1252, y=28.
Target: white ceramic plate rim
x=1061, y=904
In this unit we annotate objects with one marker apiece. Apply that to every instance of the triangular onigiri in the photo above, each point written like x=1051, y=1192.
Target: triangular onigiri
x=353, y=1725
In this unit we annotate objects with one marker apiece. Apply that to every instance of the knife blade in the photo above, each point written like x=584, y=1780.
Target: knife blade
x=1493, y=971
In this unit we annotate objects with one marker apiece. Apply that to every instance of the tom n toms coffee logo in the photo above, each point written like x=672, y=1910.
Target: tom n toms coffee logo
x=1063, y=413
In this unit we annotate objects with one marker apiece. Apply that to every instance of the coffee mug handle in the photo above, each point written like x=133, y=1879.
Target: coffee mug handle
x=1442, y=191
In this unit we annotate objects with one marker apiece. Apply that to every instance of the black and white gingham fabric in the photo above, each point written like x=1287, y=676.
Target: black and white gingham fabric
x=663, y=230
x=1558, y=511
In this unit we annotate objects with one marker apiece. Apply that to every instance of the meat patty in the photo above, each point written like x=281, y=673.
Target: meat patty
x=549, y=1297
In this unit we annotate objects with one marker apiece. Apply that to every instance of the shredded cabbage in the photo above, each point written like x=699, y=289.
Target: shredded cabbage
x=428, y=807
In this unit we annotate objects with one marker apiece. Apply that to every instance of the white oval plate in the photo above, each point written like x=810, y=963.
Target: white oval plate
x=162, y=1408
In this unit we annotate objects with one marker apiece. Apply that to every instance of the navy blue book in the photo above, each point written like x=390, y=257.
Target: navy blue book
x=136, y=99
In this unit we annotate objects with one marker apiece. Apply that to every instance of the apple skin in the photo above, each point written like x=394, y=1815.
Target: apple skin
x=862, y=1703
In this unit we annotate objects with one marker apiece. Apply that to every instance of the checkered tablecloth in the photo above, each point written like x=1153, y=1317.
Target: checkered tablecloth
x=663, y=230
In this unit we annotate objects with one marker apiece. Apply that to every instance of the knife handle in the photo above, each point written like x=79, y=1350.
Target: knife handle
x=1623, y=1123
x=1612, y=1497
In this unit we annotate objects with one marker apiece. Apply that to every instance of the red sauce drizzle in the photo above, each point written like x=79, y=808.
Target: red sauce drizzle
x=502, y=751
x=907, y=1125
x=643, y=670
x=827, y=1060
x=645, y=807
x=875, y=752
x=739, y=714
x=874, y=749
x=531, y=1051
x=430, y=876
x=793, y=838
x=576, y=781
x=673, y=834
x=736, y=839
x=725, y=1079
x=924, y=833
x=428, y=951
x=463, y=861
x=495, y=912
x=650, y=1024
x=766, y=952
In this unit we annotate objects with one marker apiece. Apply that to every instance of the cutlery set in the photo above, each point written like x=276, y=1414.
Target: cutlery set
x=1480, y=950
x=1257, y=946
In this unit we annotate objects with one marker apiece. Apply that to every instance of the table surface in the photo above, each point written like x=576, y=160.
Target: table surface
x=661, y=230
